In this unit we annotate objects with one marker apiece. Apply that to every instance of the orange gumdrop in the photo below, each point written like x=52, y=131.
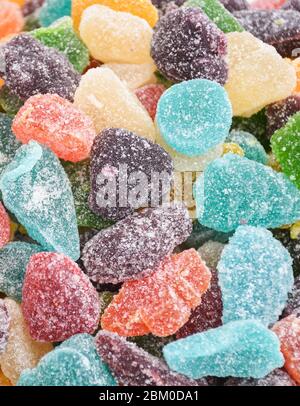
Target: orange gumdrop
x=296, y=64
x=288, y=332
x=4, y=381
x=162, y=302
x=4, y=227
x=11, y=18
x=55, y=122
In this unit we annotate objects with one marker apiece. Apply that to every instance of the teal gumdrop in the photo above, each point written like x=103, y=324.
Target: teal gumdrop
x=36, y=189
x=14, y=258
x=242, y=348
x=8, y=142
x=194, y=116
x=255, y=276
x=73, y=363
x=52, y=10
x=250, y=145
x=234, y=190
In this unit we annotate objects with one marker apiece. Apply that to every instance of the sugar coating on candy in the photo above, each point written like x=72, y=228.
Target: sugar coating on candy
x=118, y=156
x=288, y=331
x=110, y=104
x=232, y=191
x=58, y=124
x=279, y=113
x=4, y=326
x=36, y=189
x=75, y=362
x=187, y=45
x=9, y=102
x=293, y=304
x=235, y=5
x=52, y=10
x=292, y=245
x=255, y=275
x=249, y=58
x=11, y=18
x=251, y=146
x=278, y=377
x=242, y=348
x=4, y=226
x=194, y=116
x=21, y=351
x=132, y=366
x=291, y=5
x=149, y=96
x=8, y=142
x=160, y=303
x=125, y=251
x=29, y=67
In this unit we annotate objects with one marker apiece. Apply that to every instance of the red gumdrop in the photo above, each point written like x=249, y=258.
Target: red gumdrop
x=58, y=298
x=4, y=227
x=149, y=96
x=267, y=4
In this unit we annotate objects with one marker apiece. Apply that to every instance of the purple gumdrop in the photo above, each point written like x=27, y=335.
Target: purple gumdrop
x=235, y=5
x=132, y=366
x=187, y=45
x=291, y=5
x=133, y=247
x=4, y=326
x=293, y=304
x=28, y=68
x=125, y=170
x=278, y=377
x=278, y=113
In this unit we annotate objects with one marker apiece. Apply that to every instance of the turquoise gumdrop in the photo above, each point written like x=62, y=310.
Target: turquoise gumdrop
x=73, y=363
x=255, y=276
x=8, y=142
x=234, y=190
x=194, y=116
x=36, y=189
x=14, y=258
x=242, y=348
x=52, y=10
x=250, y=145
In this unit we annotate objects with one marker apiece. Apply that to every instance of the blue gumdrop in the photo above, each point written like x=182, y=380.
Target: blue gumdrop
x=36, y=189
x=14, y=258
x=73, y=363
x=234, y=190
x=8, y=142
x=52, y=10
x=194, y=116
x=251, y=146
x=255, y=275
x=242, y=348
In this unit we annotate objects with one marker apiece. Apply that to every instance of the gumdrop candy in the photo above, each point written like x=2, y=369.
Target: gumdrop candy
x=286, y=148
x=232, y=191
x=124, y=251
x=75, y=362
x=4, y=226
x=110, y=104
x=278, y=377
x=288, y=331
x=52, y=10
x=250, y=145
x=242, y=348
x=194, y=116
x=291, y=5
x=149, y=96
x=142, y=8
x=21, y=351
x=175, y=287
x=187, y=45
x=235, y=5
x=292, y=245
x=117, y=157
x=279, y=113
x=37, y=191
x=4, y=381
x=151, y=344
x=62, y=36
x=279, y=28
x=255, y=275
x=208, y=314
x=249, y=58
x=8, y=142
x=210, y=252
x=132, y=366
x=267, y=4
x=14, y=258
x=11, y=18
x=9, y=102
x=62, y=303
x=44, y=70
x=293, y=304
x=56, y=123
x=201, y=234
x=4, y=326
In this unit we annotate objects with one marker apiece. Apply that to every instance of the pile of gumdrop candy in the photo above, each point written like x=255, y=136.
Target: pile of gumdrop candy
x=96, y=290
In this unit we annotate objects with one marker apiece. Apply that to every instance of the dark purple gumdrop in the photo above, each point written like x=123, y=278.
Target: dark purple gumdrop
x=187, y=45
x=293, y=304
x=291, y=5
x=292, y=245
x=120, y=162
x=280, y=28
x=132, y=366
x=29, y=68
x=235, y=5
x=208, y=314
x=278, y=113
x=133, y=247
x=278, y=377
x=30, y=6
x=4, y=326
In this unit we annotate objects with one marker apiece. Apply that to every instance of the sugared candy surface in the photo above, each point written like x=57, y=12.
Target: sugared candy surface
x=8, y=142
x=4, y=227
x=4, y=326
x=279, y=113
x=250, y=145
x=293, y=304
x=52, y=10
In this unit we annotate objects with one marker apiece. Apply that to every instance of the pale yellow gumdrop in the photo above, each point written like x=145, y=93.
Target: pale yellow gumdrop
x=21, y=351
x=108, y=101
x=114, y=36
x=258, y=75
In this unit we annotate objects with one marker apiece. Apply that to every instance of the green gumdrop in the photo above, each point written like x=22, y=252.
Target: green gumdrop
x=8, y=142
x=285, y=144
x=61, y=35
x=9, y=102
x=218, y=14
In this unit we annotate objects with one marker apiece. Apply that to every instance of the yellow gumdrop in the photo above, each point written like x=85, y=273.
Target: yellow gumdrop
x=140, y=8
x=233, y=148
x=134, y=75
x=4, y=381
x=295, y=230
